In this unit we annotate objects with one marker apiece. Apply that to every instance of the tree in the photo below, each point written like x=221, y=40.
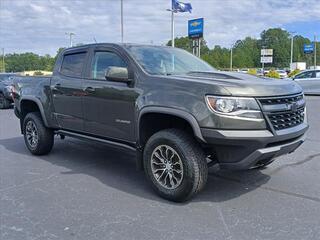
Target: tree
x=279, y=41
x=246, y=53
x=2, y=68
x=186, y=44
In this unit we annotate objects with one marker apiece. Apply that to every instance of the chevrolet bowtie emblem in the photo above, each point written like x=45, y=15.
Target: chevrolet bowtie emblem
x=292, y=106
x=194, y=24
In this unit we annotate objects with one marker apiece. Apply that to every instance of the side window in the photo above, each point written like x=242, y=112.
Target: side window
x=72, y=64
x=103, y=60
x=305, y=75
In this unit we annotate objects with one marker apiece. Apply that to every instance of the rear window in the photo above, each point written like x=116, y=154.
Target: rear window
x=72, y=64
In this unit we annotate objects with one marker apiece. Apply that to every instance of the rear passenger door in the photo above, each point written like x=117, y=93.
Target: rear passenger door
x=67, y=90
x=109, y=106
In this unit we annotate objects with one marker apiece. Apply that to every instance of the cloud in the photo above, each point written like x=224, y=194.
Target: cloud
x=40, y=25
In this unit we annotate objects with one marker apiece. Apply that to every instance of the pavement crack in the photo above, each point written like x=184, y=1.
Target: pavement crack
x=27, y=183
x=224, y=223
x=297, y=195
x=307, y=159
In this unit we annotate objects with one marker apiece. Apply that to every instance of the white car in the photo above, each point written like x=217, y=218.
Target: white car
x=282, y=73
x=309, y=80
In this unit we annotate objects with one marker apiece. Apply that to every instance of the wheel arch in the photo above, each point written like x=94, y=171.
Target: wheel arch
x=32, y=104
x=175, y=113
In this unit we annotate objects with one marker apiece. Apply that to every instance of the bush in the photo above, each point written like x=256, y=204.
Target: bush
x=293, y=73
x=252, y=71
x=273, y=74
x=37, y=73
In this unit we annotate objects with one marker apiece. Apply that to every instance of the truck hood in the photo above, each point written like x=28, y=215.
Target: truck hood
x=241, y=84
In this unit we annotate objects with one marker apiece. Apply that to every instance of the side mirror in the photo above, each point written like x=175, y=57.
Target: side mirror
x=117, y=74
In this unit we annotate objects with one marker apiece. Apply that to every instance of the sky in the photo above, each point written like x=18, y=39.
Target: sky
x=40, y=26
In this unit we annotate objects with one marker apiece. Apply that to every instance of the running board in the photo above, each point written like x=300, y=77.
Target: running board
x=95, y=139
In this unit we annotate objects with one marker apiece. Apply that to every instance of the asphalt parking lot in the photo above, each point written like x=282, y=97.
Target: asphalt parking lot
x=88, y=191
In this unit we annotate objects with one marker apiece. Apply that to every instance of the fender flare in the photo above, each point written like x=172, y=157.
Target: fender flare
x=38, y=102
x=174, y=112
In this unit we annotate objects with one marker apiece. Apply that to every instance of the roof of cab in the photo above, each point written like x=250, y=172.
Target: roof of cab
x=111, y=44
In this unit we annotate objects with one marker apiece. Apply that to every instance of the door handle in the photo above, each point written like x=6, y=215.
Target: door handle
x=89, y=89
x=56, y=86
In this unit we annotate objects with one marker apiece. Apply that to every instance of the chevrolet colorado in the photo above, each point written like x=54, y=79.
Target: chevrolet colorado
x=178, y=113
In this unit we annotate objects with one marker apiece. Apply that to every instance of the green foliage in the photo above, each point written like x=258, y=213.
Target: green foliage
x=293, y=73
x=38, y=73
x=252, y=71
x=246, y=52
x=28, y=61
x=19, y=62
x=279, y=41
x=273, y=74
x=2, y=69
x=186, y=44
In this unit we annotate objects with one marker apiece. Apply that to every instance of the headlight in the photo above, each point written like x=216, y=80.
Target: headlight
x=234, y=106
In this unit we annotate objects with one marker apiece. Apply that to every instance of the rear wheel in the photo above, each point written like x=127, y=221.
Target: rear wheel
x=38, y=138
x=175, y=165
x=4, y=103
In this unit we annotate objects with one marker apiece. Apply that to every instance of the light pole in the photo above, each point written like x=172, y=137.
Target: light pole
x=121, y=3
x=71, y=34
x=315, y=52
x=231, y=57
x=291, y=50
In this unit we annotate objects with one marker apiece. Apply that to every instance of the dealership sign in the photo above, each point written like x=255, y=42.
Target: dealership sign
x=195, y=28
x=266, y=52
x=266, y=55
x=267, y=59
x=308, y=48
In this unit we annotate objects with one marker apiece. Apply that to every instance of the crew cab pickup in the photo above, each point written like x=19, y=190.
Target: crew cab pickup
x=179, y=114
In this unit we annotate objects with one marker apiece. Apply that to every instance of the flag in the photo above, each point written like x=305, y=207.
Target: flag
x=181, y=7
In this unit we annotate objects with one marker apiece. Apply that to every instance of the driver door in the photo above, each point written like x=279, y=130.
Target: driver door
x=109, y=106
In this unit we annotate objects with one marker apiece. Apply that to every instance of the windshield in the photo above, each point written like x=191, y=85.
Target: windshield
x=167, y=60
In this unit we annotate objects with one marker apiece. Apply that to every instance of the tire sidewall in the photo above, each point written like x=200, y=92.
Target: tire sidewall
x=188, y=169
x=25, y=122
x=45, y=135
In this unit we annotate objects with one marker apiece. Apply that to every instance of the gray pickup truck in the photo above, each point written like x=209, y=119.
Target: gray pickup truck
x=179, y=114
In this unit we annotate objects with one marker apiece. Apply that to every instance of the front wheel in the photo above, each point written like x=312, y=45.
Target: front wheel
x=38, y=138
x=175, y=165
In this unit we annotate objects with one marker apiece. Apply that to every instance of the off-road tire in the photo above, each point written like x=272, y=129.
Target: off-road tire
x=195, y=169
x=45, y=135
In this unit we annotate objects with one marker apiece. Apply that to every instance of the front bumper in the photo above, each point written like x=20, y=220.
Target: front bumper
x=242, y=149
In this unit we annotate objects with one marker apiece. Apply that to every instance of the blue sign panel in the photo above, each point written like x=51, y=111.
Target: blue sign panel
x=308, y=48
x=195, y=28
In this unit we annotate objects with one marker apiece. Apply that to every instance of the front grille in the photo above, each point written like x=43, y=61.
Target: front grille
x=287, y=119
x=284, y=112
x=281, y=100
